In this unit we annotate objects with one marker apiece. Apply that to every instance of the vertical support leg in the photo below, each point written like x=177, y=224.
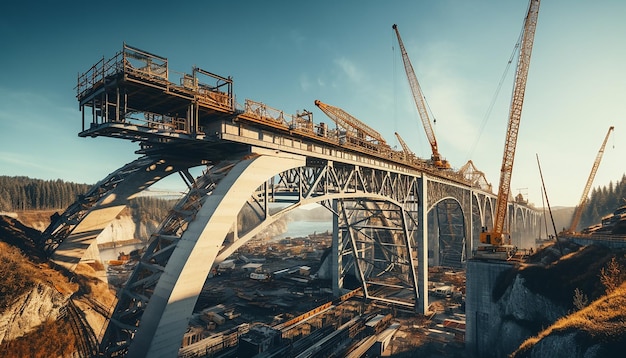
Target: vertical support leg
x=422, y=251
x=337, y=247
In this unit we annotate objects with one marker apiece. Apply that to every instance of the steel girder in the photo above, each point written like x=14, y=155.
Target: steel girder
x=381, y=237
x=70, y=234
x=135, y=295
x=136, y=329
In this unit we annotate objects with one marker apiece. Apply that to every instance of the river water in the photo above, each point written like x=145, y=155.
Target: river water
x=294, y=229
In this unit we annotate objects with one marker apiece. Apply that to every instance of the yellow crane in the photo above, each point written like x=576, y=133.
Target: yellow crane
x=408, y=154
x=579, y=208
x=354, y=128
x=495, y=237
x=420, y=103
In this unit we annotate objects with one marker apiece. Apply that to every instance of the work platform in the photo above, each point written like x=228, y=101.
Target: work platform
x=130, y=96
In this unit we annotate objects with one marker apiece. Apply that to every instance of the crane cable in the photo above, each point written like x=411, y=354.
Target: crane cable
x=495, y=95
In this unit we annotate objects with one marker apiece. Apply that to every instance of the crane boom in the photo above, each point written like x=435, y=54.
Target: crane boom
x=579, y=209
x=420, y=103
x=348, y=122
x=495, y=237
x=405, y=148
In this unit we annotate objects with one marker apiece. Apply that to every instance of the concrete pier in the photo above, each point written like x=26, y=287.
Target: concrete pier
x=480, y=309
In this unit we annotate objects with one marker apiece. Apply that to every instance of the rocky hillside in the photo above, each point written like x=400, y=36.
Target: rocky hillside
x=596, y=331
x=45, y=312
x=541, y=293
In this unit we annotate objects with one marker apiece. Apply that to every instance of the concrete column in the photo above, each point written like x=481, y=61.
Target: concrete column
x=422, y=249
x=481, y=311
x=469, y=231
x=336, y=263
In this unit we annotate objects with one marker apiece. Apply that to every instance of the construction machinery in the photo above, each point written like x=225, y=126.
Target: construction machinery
x=579, y=208
x=495, y=239
x=408, y=154
x=420, y=102
x=352, y=131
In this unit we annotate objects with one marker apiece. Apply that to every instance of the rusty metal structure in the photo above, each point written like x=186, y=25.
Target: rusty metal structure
x=391, y=210
x=420, y=103
x=583, y=198
x=496, y=236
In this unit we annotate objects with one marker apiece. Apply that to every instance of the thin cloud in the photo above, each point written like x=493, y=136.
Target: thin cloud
x=13, y=159
x=349, y=69
x=305, y=83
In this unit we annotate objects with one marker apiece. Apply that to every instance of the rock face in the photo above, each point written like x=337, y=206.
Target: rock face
x=522, y=314
x=40, y=304
x=498, y=324
x=508, y=303
x=125, y=228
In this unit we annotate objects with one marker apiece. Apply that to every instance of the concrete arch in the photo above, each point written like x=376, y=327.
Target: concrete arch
x=477, y=221
x=162, y=328
x=448, y=232
x=162, y=323
x=488, y=213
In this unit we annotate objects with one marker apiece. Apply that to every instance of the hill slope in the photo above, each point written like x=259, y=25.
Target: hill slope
x=598, y=330
x=45, y=312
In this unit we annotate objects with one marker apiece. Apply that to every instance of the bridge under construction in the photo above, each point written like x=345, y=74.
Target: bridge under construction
x=393, y=212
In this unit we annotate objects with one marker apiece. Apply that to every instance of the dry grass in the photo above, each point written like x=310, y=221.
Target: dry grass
x=19, y=274
x=38, y=219
x=51, y=339
x=604, y=320
x=16, y=276
x=558, y=280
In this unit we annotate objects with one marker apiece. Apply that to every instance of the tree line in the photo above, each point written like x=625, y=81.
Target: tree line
x=20, y=193
x=24, y=193
x=603, y=201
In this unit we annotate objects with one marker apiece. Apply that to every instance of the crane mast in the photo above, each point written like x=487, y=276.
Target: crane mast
x=579, y=209
x=420, y=103
x=495, y=237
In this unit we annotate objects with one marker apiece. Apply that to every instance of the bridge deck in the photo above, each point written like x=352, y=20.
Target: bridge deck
x=131, y=97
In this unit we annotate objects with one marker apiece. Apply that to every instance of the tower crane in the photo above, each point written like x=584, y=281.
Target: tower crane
x=354, y=128
x=495, y=237
x=420, y=103
x=579, y=208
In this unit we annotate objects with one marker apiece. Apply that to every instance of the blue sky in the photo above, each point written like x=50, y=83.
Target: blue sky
x=288, y=53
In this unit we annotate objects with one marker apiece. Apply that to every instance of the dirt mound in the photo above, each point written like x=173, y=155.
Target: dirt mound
x=16, y=234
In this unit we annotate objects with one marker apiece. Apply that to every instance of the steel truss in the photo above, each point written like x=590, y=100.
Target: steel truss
x=62, y=225
x=134, y=296
x=379, y=239
x=384, y=228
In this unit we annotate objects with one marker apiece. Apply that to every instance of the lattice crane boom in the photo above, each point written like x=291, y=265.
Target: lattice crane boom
x=405, y=148
x=420, y=103
x=495, y=237
x=349, y=123
x=579, y=208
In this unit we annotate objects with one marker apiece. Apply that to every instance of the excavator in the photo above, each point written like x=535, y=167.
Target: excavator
x=579, y=208
x=420, y=102
x=497, y=240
